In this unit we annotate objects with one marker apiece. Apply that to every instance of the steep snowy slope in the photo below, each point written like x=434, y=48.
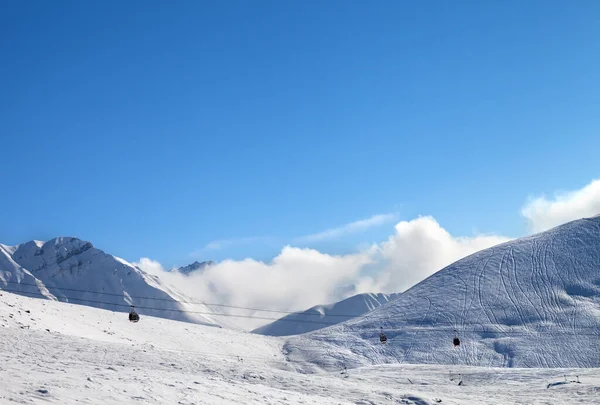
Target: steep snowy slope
x=72, y=270
x=68, y=354
x=532, y=302
x=11, y=273
x=321, y=316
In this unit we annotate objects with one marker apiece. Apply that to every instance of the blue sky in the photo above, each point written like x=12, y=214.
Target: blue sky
x=157, y=128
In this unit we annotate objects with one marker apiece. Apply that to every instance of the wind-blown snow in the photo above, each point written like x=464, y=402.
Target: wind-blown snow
x=321, y=316
x=68, y=354
x=532, y=302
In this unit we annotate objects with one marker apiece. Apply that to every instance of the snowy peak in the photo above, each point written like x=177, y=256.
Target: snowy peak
x=52, y=254
x=321, y=316
x=72, y=270
x=196, y=266
x=18, y=278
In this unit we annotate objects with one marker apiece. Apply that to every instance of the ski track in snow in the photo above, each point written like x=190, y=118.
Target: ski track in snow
x=531, y=302
x=61, y=353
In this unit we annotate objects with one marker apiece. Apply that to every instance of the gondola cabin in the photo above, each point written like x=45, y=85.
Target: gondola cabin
x=133, y=316
x=456, y=340
x=382, y=338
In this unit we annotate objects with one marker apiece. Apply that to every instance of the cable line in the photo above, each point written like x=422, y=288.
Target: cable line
x=170, y=309
x=184, y=302
x=403, y=328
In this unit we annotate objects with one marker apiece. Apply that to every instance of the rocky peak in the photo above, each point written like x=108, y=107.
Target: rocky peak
x=195, y=267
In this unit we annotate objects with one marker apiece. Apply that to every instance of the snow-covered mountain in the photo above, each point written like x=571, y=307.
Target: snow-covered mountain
x=72, y=270
x=196, y=266
x=531, y=302
x=321, y=316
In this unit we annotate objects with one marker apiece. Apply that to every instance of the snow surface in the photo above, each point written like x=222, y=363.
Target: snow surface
x=321, y=316
x=68, y=354
x=72, y=270
x=531, y=302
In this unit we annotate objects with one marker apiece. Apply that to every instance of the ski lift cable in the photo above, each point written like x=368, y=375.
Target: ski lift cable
x=402, y=328
x=170, y=309
x=349, y=316
x=181, y=301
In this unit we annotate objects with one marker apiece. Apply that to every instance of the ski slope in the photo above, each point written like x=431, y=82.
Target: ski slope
x=60, y=353
x=72, y=270
x=531, y=302
x=321, y=316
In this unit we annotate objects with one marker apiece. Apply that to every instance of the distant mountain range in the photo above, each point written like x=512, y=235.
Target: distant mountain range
x=196, y=266
x=321, y=316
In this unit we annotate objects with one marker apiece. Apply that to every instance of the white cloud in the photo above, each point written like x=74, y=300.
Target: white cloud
x=150, y=266
x=221, y=244
x=328, y=234
x=416, y=250
x=216, y=244
x=353, y=227
x=543, y=213
x=300, y=278
x=294, y=279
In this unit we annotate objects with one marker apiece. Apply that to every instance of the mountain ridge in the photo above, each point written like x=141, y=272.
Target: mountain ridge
x=309, y=320
x=72, y=270
x=194, y=267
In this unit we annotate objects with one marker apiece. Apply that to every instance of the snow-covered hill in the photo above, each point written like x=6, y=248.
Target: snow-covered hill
x=531, y=302
x=72, y=270
x=68, y=354
x=321, y=316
